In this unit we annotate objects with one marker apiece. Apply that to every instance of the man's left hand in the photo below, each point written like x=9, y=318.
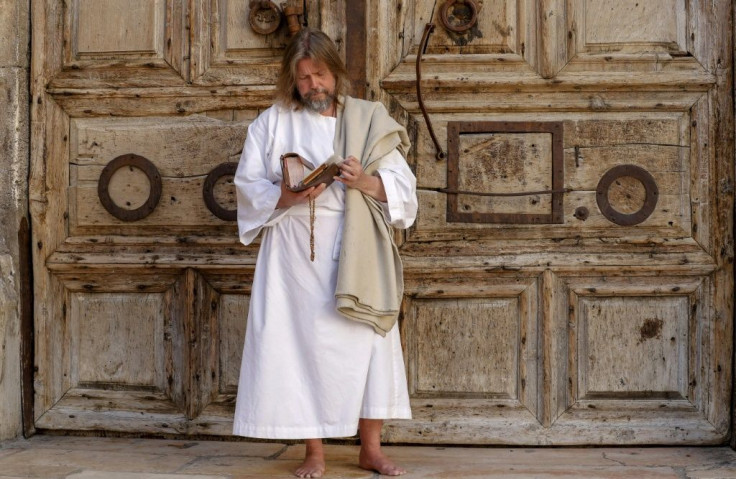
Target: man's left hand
x=353, y=176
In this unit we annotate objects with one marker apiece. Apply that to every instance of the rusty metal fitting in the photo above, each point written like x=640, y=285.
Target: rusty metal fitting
x=581, y=213
x=651, y=192
x=264, y=16
x=292, y=13
x=132, y=161
x=455, y=23
x=208, y=190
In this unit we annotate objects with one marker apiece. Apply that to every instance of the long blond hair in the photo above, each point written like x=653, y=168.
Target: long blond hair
x=314, y=44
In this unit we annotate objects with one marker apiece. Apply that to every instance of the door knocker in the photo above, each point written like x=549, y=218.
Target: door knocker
x=266, y=17
x=459, y=16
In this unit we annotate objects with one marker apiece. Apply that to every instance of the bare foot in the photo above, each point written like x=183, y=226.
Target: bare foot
x=314, y=460
x=313, y=466
x=379, y=462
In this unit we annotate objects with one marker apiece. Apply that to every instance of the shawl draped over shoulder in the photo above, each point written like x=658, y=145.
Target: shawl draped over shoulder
x=370, y=283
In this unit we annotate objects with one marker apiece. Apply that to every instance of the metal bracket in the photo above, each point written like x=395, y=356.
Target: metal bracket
x=292, y=13
x=455, y=128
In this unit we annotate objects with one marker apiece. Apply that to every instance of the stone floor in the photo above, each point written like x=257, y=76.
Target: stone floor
x=111, y=458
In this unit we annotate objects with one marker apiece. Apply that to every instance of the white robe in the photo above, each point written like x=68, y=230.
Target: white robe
x=307, y=371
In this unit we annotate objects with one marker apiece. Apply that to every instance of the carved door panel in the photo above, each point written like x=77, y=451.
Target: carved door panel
x=140, y=109
x=594, y=308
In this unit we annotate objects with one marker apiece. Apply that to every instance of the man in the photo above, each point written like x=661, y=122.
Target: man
x=322, y=355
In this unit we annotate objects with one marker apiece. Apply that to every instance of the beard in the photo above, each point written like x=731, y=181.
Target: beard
x=318, y=105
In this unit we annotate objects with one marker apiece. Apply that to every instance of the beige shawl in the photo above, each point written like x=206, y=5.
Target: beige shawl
x=370, y=282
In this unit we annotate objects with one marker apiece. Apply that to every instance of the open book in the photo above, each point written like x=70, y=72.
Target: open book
x=296, y=177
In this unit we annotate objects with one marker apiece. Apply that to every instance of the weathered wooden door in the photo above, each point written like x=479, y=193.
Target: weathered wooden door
x=140, y=110
x=595, y=310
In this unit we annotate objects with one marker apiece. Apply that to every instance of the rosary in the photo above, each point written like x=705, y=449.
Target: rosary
x=311, y=229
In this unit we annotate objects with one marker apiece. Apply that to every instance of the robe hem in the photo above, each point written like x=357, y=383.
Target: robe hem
x=385, y=413
x=276, y=432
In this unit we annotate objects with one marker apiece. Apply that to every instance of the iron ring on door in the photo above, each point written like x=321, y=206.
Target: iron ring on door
x=264, y=16
x=466, y=23
x=208, y=191
x=154, y=178
x=651, y=193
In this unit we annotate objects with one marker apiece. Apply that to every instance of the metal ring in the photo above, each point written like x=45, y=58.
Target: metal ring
x=208, y=191
x=650, y=199
x=154, y=178
x=256, y=23
x=463, y=27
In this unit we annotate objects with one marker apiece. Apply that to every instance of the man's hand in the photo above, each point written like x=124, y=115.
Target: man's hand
x=290, y=198
x=353, y=176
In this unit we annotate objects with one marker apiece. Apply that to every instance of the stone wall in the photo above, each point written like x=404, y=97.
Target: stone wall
x=14, y=159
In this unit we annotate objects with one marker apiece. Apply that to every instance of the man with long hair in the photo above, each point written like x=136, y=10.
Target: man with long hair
x=322, y=355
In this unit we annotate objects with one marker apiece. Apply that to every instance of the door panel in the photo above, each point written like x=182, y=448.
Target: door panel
x=227, y=50
x=629, y=26
x=114, y=352
x=99, y=44
x=182, y=159
x=593, y=144
x=452, y=340
x=105, y=327
x=568, y=280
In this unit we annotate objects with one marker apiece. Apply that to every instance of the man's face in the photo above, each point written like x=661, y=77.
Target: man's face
x=316, y=84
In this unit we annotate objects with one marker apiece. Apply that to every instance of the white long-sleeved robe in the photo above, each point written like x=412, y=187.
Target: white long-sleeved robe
x=307, y=371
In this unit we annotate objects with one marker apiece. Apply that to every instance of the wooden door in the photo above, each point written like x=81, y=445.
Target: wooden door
x=140, y=110
x=594, y=311
x=600, y=311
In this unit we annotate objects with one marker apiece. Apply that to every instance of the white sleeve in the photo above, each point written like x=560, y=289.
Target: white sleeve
x=257, y=186
x=401, y=190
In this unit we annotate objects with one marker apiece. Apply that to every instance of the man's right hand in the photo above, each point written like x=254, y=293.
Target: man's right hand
x=290, y=198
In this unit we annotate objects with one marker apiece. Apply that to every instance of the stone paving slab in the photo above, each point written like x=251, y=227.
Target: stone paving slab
x=237, y=466
x=134, y=475
x=672, y=457
x=121, y=460
x=523, y=473
x=160, y=446
x=8, y=451
x=717, y=473
x=58, y=457
x=495, y=455
x=36, y=470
